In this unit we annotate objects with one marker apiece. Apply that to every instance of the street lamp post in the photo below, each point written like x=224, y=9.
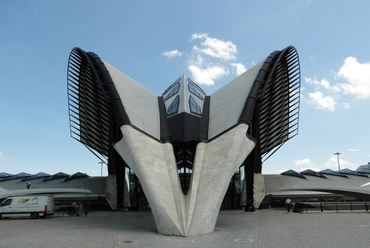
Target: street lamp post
x=101, y=168
x=338, y=153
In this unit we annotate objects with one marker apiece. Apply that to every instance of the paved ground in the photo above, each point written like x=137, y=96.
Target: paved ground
x=265, y=228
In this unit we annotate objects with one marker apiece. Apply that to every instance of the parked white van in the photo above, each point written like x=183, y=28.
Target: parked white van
x=23, y=206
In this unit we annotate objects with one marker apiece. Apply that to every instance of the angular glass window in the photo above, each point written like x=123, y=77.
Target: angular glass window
x=174, y=90
x=174, y=107
x=193, y=89
x=194, y=107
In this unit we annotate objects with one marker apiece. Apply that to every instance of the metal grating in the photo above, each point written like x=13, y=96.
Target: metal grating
x=88, y=109
x=279, y=101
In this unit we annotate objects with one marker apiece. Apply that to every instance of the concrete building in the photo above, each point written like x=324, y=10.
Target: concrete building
x=185, y=154
x=184, y=146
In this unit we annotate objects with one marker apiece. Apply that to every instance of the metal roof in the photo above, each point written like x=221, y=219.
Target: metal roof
x=353, y=173
x=76, y=176
x=292, y=173
x=5, y=175
x=312, y=173
x=17, y=176
x=38, y=175
x=332, y=173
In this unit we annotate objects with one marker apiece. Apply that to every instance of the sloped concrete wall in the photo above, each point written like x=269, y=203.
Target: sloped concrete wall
x=155, y=166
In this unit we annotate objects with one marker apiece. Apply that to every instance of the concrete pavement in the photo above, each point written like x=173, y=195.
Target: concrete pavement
x=263, y=228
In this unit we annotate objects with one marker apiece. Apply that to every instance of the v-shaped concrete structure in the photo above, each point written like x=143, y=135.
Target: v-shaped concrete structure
x=211, y=136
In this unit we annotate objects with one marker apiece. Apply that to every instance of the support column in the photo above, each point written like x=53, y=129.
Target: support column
x=253, y=164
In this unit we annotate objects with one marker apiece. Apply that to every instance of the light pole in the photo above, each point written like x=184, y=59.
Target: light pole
x=338, y=153
x=101, y=168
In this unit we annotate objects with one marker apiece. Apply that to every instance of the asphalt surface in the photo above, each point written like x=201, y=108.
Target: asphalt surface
x=264, y=228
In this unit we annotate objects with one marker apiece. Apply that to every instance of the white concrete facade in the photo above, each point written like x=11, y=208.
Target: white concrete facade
x=227, y=103
x=140, y=103
x=155, y=166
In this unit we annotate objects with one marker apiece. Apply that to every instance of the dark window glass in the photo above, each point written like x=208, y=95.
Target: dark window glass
x=192, y=89
x=194, y=107
x=174, y=107
x=7, y=202
x=173, y=91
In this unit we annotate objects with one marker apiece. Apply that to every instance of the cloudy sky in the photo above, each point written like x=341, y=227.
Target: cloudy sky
x=155, y=42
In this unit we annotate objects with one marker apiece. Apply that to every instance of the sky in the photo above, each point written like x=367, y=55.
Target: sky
x=155, y=42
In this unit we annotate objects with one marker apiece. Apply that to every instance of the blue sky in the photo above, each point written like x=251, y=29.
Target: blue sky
x=155, y=42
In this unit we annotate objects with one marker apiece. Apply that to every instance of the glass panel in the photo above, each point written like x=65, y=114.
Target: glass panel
x=174, y=90
x=174, y=107
x=194, y=107
x=192, y=89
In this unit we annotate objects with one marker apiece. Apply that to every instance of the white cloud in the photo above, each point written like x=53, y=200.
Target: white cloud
x=332, y=163
x=215, y=48
x=4, y=158
x=210, y=59
x=357, y=76
x=239, y=68
x=207, y=75
x=305, y=164
x=322, y=102
x=345, y=105
x=353, y=150
x=173, y=53
x=323, y=83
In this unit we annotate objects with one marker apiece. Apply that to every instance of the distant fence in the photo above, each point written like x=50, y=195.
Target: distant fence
x=330, y=206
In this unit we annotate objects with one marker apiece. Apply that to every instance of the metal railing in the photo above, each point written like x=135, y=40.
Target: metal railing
x=330, y=206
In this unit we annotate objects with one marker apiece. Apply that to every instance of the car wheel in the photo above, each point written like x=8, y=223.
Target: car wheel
x=34, y=215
